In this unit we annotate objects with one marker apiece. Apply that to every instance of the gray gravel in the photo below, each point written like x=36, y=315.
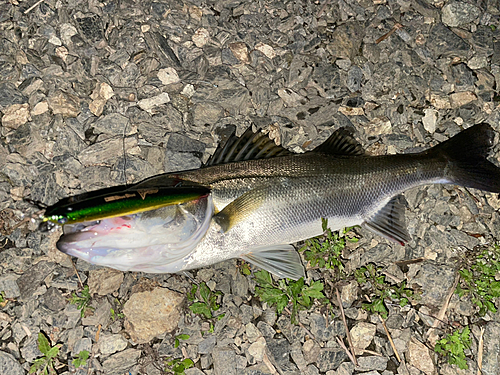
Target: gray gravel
x=90, y=89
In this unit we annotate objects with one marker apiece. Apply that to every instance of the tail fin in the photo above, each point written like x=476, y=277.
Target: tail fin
x=466, y=154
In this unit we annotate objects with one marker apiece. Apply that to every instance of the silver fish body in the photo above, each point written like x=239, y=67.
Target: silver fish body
x=261, y=206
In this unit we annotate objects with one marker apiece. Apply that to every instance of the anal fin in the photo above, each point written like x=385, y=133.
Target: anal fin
x=280, y=260
x=389, y=221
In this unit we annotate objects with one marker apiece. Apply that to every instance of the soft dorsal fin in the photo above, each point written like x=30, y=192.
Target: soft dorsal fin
x=341, y=142
x=250, y=146
x=389, y=221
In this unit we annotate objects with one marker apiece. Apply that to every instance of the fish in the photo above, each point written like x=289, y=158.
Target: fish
x=260, y=198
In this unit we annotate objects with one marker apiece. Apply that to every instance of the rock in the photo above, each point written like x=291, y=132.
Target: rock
x=16, y=115
x=40, y=108
x=9, y=365
x=9, y=287
x=349, y=294
x=346, y=40
x=491, y=337
x=114, y=123
x=330, y=358
x=149, y=104
x=354, y=78
x=32, y=278
x=419, y=356
x=200, y=37
x=107, y=151
x=85, y=343
x=311, y=351
x=181, y=143
x=224, y=361
x=10, y=95
x=345, y=368
x=256, y=350
x=100, y=96
x=104, y=281
x=324, y=332
x=64, y=104
x=478, y=62
x=149, y=314
x=436, y=280
x=372, y=362
x=457, y=13
x=168, y=76
x=362, y=335
x=430, y=119
x=458, y=99
x=266, y=49
x=240, y=51
x=109, y=344
x=54, y=299
x=252, y=332
x=120, y=363
x=207, y=345
x=180, y=161
x=101, y=315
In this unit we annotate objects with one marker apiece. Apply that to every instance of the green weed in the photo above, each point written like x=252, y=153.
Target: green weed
x=178, y=338
x=479, y=280
x=283, y=292
x=82, y=301
x=45, y=364
x=325, y=251
x=453, y=346
x=380, y=289
x=81, y=359
x=204, y=300
x=178, y=366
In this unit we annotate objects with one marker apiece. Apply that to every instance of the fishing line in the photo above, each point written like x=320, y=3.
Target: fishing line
x=124, y=154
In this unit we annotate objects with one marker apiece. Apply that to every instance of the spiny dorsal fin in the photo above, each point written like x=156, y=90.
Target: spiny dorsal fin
x=341, y=142
x=389, y=221
x=250, y=146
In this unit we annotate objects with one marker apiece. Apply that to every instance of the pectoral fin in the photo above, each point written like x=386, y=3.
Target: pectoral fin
x=281, y=260
x=240, y=208
x=389, y=222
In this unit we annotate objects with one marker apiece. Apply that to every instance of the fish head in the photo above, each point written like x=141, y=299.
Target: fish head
x=150, y=241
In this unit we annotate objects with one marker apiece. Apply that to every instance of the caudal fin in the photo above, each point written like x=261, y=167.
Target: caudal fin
x=466, y=154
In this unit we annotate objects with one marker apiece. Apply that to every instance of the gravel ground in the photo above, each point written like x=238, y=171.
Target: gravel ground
x=89, y=89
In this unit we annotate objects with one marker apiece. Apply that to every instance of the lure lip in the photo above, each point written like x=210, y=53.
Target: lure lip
x=119, y=201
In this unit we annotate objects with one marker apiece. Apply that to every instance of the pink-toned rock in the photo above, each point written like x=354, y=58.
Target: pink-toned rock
x=152, y=313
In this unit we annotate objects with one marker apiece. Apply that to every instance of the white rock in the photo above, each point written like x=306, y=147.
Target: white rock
x=256, y=350
x=149, y=103
x=200, y=37
x=266, y=49
x=362, y=335
x=168, y=76
x=40, y=108
x=430, y=119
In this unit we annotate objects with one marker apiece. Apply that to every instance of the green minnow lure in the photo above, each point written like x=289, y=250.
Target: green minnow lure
x=119, y=201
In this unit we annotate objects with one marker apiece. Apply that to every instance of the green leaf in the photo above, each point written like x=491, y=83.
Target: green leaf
x=201, y=308
x=205, y=292
x=183, y=336
x=263, y=278
x=53, y=352
x=43, y=343
x=188, y=363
